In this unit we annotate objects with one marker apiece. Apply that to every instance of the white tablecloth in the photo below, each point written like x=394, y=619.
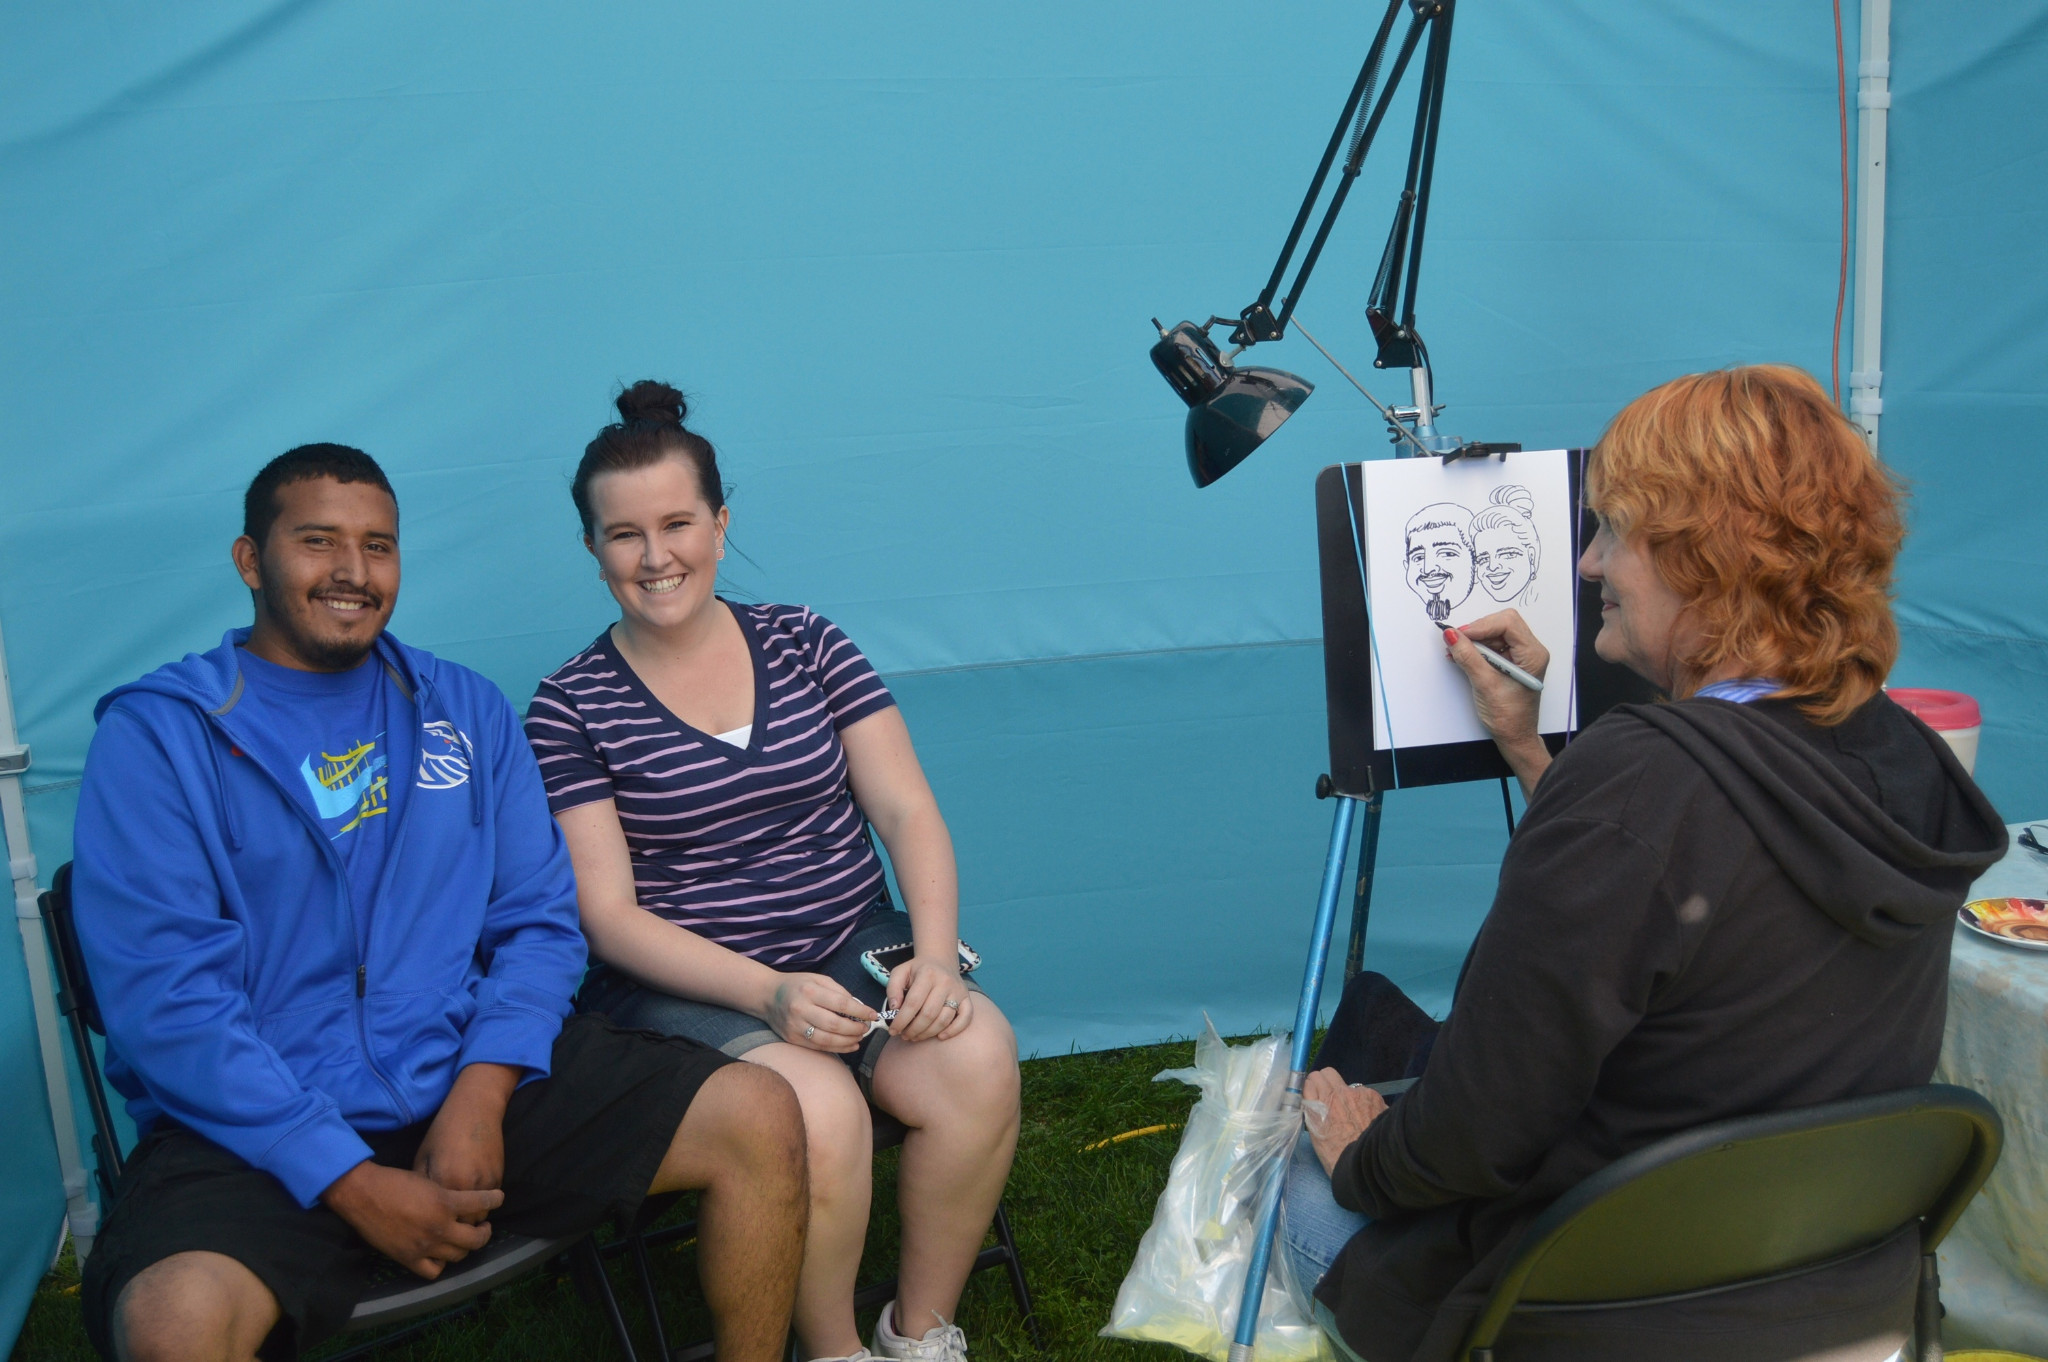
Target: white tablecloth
x=1994, y=1264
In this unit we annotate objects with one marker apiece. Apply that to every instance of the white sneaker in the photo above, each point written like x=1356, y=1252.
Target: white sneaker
x=857, y=1355
x=946, y=1343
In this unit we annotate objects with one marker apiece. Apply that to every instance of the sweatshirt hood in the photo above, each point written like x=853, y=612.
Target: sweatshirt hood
x=1879, y=880
x=212, y=680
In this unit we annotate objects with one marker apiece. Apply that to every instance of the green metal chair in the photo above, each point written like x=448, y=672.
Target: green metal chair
x=1756, y=1199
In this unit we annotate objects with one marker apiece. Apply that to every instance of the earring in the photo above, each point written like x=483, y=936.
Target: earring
x=600, y=574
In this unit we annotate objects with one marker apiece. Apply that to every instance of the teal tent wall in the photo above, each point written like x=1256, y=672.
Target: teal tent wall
x=902, y=258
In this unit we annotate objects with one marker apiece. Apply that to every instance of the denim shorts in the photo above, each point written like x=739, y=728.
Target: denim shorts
x=637, y=1007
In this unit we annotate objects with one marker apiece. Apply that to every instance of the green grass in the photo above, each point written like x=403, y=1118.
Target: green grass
x=1077, y=1215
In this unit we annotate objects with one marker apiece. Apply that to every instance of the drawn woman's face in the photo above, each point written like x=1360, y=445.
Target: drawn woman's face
x=1501, y=562
x=1439, y=565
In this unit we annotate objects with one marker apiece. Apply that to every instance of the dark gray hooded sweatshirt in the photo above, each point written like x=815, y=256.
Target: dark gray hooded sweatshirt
x=1710, y=910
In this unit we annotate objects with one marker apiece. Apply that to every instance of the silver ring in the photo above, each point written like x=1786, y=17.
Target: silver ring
x=953, y=1003
x=810, y=1031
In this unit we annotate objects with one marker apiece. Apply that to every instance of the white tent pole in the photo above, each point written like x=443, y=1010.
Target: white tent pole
x=82, y=1215
x=1873, y=105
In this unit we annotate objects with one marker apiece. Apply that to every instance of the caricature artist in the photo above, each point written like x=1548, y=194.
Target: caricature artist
x=1667, y=947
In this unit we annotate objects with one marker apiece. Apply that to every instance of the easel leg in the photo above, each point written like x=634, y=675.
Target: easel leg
x=1304, y=1038
x=1361, y=896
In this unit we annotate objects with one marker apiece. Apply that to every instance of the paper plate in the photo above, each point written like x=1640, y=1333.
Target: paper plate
x=2017, y=922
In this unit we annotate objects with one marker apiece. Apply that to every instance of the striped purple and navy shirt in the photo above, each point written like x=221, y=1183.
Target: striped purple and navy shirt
x=757, y=848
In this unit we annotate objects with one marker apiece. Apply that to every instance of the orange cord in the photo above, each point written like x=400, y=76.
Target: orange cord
x=1842, y=281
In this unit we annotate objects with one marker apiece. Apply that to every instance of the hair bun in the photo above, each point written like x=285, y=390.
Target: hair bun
x=652, y=401
x=1517, y=498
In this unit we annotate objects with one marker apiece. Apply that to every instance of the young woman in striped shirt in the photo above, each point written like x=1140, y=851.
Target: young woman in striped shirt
x=713, y=766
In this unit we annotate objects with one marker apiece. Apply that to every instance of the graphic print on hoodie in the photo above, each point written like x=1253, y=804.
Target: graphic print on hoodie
x=342, y=735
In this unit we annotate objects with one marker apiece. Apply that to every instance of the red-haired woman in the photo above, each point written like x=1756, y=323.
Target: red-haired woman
x=1736, y=902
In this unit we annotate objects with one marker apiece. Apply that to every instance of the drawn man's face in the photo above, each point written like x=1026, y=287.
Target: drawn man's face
x=1501, y=562
x=1439, y=568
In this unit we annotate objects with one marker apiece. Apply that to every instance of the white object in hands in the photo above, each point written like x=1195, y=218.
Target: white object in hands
x=1448, y=544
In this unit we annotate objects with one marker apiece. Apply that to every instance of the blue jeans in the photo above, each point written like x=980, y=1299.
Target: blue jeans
x=1317, y=1227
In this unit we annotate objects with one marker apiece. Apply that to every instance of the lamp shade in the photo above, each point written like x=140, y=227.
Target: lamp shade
x=1231, y=411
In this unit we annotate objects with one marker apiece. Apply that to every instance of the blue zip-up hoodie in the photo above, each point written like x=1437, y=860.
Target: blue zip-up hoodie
x=246, y=994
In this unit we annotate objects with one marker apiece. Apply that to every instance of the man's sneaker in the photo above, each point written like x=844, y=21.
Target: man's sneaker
x=857, y=1355
x=946, y=1343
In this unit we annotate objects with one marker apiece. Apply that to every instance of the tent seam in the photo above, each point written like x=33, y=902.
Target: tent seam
x=1100, y=657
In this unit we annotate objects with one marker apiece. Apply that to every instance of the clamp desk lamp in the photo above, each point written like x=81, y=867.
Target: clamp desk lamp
x=1232, y=409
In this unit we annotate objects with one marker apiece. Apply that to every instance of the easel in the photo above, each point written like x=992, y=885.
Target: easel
x=1360, y=773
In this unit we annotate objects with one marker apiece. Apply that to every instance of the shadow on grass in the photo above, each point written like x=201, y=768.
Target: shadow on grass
x=1077, y=1213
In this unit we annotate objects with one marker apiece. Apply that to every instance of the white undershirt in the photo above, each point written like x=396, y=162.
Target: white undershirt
x=739, y=737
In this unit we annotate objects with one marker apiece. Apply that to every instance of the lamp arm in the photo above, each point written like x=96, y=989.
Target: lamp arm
x=1258, y=317
x=1433, y=72
x=1257, y=323
x=1399, y=346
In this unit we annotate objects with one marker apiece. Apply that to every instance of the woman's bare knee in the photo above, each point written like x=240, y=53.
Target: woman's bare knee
x=193, y=1306
x=972, y=1077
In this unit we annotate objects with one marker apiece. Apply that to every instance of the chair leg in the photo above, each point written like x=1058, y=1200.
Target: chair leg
x=1015, y=1266
x=1927, y=1312
x=636, y=1243
x=592, y=1262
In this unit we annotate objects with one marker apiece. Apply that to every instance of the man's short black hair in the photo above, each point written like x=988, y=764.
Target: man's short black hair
x=343, y=463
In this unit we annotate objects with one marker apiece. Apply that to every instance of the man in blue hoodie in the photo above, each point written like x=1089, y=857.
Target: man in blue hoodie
x=333, y=932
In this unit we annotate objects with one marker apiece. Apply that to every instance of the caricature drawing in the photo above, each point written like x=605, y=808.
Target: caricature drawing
x=1462, y=540
x=1437, y=562
x=1505, y=546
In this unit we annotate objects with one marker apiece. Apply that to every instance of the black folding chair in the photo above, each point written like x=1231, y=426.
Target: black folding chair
x=396, y=1297
x=1752, y=1200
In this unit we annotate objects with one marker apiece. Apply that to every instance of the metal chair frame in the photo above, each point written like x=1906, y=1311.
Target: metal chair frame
x=1949, y=1137
x=405, y=1300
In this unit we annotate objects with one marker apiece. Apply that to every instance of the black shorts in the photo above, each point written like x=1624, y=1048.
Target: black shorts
x=580, y=1145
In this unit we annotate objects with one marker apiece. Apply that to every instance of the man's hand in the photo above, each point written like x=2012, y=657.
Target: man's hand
x=465, y=1147
x=1507, y=709
x=1351, y=1111
x=414, y=1222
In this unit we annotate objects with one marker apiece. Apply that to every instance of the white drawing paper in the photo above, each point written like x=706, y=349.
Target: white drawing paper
x=1450, y=543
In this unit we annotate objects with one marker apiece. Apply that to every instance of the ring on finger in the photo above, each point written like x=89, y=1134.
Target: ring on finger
x=810, y=1031
x=953, y=1003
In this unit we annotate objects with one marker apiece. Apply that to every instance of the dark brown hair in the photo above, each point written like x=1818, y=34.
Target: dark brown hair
x=649, y=429
x=343, y=463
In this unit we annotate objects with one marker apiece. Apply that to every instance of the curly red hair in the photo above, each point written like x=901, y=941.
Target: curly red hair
x=1763, y=507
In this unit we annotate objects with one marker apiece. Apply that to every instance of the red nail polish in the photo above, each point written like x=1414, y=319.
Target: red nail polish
x=1450, y=635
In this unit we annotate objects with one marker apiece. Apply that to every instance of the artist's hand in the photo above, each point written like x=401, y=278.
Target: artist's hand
x=919, y=989
x=465, y=1146
x=813, y=1011
x=1351, y=1111
x=1507, y=709
x=412, y=1220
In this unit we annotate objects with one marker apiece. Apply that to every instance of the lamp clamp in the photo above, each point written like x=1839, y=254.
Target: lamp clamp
x=1255, y=324
x=14, y=760
x=1399, y=346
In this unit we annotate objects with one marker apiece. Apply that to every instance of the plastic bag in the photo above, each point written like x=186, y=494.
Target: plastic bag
x=1187, y=1281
